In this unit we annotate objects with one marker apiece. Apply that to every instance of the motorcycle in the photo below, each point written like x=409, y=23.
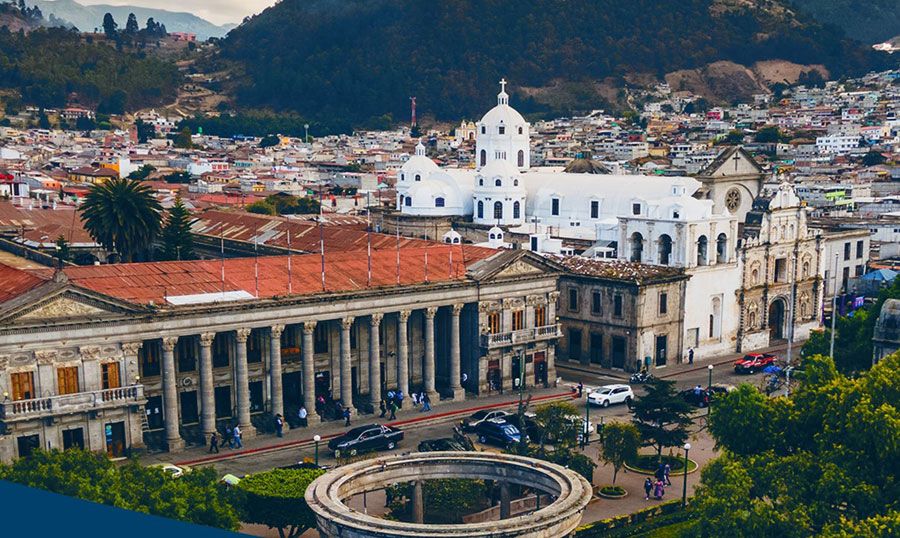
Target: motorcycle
x=641, y=377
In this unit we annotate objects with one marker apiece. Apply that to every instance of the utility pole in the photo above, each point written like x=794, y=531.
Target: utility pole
x=834, y=306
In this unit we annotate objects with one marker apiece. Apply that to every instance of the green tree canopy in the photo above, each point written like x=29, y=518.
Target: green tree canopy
x=662, y=416
x=196, y=497
x=109, y=26
x=183, y=139
x=557, y=425
x=123, y=216
x=276, y=499
x=178, y=241
x=621, y=442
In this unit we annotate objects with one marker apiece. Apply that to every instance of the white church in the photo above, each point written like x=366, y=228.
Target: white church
x=685, y=222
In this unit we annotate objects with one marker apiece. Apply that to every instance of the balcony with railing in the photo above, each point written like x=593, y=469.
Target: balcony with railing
x=522, y=336
x=79, y=402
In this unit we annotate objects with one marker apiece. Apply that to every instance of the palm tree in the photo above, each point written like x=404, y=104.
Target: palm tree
x=123, y=216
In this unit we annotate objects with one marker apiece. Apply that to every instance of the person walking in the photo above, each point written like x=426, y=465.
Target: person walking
x=580, y=389
x=382, y=408
x=666, y=470
x=346, y=416
x=659, y=491
x=279, y=426
x=229, y=436
x=303, y=415
x=214, y=443
x=648, y=488
x=236, y=433
x=415, y=399
x=399, y=399
x=426, y=402
x=691, y=356
x=464, y=380
x=393, y=408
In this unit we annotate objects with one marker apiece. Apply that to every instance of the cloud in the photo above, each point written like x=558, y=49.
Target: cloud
x=215, y=11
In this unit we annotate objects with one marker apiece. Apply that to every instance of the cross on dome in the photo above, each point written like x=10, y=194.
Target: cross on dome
x=502, y=97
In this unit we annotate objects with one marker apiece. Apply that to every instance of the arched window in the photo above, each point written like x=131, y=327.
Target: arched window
x=520, y=129
x=480, y=209
x=492, y=236
x=483, y=129
x=483, y=159
x=722, y=249
x=408, y=201
x=481, y=182
x=498, y=183
x=516, y=207
x=418, y=177
x=402, y=176
x=455, y=240
x=637, y=247
x=664, y=252
x=498, y=210
x=515, y=183
x=439, y=202
x=521, y=157
x=702, y=244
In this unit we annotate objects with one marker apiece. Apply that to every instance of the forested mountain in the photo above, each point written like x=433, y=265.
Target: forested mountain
x=51, y=67
x=870, y=21
x=348, y=62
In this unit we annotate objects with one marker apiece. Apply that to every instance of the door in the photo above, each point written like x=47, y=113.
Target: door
x=27, y=444
x=618, y=352
x=574, y=345
x=189, y=410
x=776, y=319
x=291, y=387
x=110, y=374
x=517, y=372
x=495, y=378
x=540, y=368
x=223, y=402
x=115, y=439
x=73, y=438
x=154, y=413
x=354, y=383
x=323, y=385
x=596, y=348
x=661, y=350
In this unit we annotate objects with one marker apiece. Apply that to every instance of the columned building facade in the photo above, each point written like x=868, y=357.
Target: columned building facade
x=108, y=372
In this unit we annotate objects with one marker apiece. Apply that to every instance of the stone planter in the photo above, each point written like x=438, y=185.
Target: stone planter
x=599, y=493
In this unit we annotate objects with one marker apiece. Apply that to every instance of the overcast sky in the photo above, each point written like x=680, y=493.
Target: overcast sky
x=215, y=11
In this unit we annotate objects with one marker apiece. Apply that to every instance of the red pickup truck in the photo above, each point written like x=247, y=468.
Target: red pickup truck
x=753, y=362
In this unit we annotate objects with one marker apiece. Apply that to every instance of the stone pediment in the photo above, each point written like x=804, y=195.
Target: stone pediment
x=512, y=264
x=57, y=302
x=518, y=268
x=62, y=308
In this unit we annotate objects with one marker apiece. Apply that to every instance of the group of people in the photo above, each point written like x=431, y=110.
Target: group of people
x=232, y=437
x=393, y=402
x=657, y=489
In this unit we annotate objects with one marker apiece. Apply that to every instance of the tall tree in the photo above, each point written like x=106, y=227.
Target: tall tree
x=131, y=26
x=183, y=139
x=621, y=442
x=123, y=216
x=560, y=423
x=109, y=26
x=276, y=499
x=178, y=242
x=662, y=416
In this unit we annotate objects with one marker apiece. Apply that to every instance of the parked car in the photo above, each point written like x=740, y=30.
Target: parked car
x=698, y=398
x=366, y=439
x=610, y=394
x=174, y=471
x=459, y=442
x=753, y=362
x=498, y=432
x=470, y=423
x=532, y=429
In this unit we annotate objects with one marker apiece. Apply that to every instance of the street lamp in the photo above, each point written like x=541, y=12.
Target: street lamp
x=586, y=428
x=317, y=438
x=687, y=447
x=709, y=388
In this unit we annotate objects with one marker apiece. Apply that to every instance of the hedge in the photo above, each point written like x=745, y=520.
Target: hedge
x=633, y=520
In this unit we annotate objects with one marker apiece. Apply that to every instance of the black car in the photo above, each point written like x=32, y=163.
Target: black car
x=459, y=442
x=497, y=432
x=694, y=397
x=532, y=429
x=365, y=439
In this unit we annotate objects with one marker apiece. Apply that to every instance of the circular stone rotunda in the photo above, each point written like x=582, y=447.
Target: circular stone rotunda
x=328, y=494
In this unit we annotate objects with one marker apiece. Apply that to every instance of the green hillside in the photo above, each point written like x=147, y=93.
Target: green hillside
x=870, y=21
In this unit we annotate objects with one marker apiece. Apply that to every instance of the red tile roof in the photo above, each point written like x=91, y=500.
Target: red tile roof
x=14, y=282
x=142, y=283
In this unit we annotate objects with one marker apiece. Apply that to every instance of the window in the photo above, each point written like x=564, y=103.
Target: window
x=554, y=206
x=109, y=373
x=520, y=129
x=635, y=209
x=596, y=303
x=573, y=299
x=846, y=251
x=418, y=177
x=781, y=270
x=637, y=247
x=859, y=249
x=574, y=344
x=185, y=353
x=858, y=271
x=498, y=210
x=664, y=249
x=595, y=209
x=483, y=158
x=223, y=402
x=676, y=215
x=515, y=183
x=521, y=156
x=617, y=306
x=256, y=345
x=22, y=385
x=438, y=202
x=480, y=209
x=722, y=249
x=256, y=396
x=189, y=409
x=320, y=338
x=67, y=380
x=498, y=182
x=501, y=130
x=845, y=277
x=663, y=303
x=149, y=356
x=408, y=201
x=221, y=350
x=540, y=316
x=481, y=182
x=518, y=320
x=702, y=244
x=596, y=348
x=494, y=322
x=516, y=210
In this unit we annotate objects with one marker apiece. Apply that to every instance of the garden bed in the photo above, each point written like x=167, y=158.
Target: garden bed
x=648, y=463
x=611, y=492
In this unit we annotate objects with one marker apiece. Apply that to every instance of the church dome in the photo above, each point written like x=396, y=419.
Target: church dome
x=585, y=166
x=418, y=165
x=503, y=115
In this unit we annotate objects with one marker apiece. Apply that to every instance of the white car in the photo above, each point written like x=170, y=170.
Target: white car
x=610, y=394
x=174, y=471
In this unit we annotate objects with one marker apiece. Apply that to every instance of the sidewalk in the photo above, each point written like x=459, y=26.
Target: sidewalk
x=672, y=370
x=408, y=417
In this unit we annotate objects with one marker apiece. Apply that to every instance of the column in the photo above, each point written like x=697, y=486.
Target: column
x=428, y=374
x=459, y=392
x=131, y=376
x=309, y=371
x=275, y=370
x=504, y=499
x=418, y=502
x=170, y=394
x=242, y=382
x=207, y=386
x=346, y=367
x=375, y=360
x=403, y=353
